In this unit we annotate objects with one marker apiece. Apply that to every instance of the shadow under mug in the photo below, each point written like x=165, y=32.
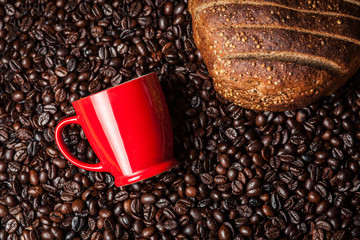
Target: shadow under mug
x=129, y=129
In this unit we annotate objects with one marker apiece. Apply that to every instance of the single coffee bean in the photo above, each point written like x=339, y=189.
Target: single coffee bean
x=314, y=196
x=3, y=210
x=36, y=191
x=11, y=225
x=77, y=205
x=61, y=71
x=18, y=96
x=224, y=233
x=246, y=231
x=191, y=191
x=148, y=198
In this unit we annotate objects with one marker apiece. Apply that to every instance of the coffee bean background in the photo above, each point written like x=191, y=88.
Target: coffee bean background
x=242, y=174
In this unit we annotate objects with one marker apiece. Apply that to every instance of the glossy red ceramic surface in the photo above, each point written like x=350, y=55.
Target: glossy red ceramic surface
x=129, y=129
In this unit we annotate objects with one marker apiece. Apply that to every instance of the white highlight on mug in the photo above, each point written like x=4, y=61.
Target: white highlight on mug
x=108, y=122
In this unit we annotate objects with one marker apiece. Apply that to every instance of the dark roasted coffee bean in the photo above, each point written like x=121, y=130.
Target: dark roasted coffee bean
x=168, y=8
x=3, y=210
x=104, y=213
x=148, y=198
x=77, y=205
x=56, y=217
x=294, y=217
x=191, y=191
x=323, y=225
x=272, y=232
x=144, y=21
x=190, y=179
x=24, y=134
x=43, y=119
x=224, y=233
x=121, y=196
x=148, y=232
x=179, y=8
x=18, y=96
x=314, y=196
x=4, y=136
x=36, y=191
x=77, y=223
x=170, y=224
x=11, y=225
x=246, y=231
x=290, y=175
x=61, y=71
x=245, y=211
x=135, y=9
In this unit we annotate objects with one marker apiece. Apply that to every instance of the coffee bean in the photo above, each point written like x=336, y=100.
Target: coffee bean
x=180, y=208
x=72, y=187
x=148, y=232
x=97, y=32
x=135, y=9
x=289, y=174
x=24, y=134
x=43, y=119
x=144, y=21
x=11, y=225
x=272, y=232
x=340, y=235
x=260, y=120
x=170, y=224
x=314, y=197
x=61, y=71
x=18, y=96
x=3, y=210
x=323, y=225
x=106, y=71
x=36, y=191
x=104, y=213
x=121, y=196
x=348, y=140
x=77, y=205
x=15, y=65
x=148, y=198
x=34, y=177
x=135, y=206
x=60, y=96
x=77, y=223
x=191, y=191
x=237, y=186
x=294, y=217
x=4, y=136
x=245, y=211
x=179, y=8
x=56, y=217
x=246, y=231
x=224, y=233
x=179, y=19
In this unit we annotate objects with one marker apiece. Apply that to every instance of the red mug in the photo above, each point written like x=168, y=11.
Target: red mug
x=129, y=129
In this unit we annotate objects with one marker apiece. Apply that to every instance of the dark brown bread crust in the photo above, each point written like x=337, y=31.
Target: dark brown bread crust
x=329, y=51
x=251, y=84
x=232, y=15
x=274, y=58
x=343, y=7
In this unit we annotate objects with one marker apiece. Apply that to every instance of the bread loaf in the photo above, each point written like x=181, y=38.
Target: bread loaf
x=277, y=54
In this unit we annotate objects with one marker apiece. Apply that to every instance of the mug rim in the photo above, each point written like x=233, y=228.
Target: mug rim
x=118, y=86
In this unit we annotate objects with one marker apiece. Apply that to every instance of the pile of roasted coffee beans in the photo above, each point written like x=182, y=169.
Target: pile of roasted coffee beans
x=242, y=174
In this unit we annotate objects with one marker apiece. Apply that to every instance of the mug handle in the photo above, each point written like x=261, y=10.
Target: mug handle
x=65, y=151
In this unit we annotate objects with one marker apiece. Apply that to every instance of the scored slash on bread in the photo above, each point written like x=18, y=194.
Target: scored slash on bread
x=277, y=54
